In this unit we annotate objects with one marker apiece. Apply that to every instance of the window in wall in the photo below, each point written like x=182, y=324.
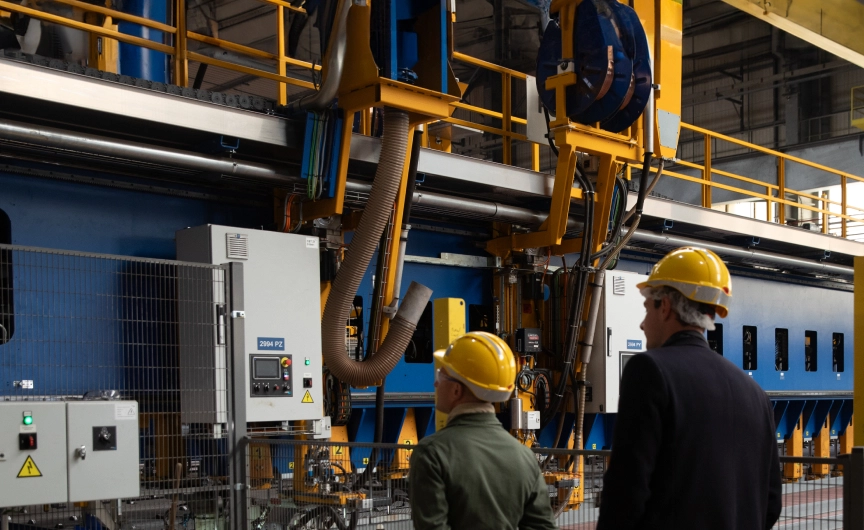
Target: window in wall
x=810, y=352
x=715, y=338
x=781, y=350
x=838, y=352
x=749, y=348
x=7, y=313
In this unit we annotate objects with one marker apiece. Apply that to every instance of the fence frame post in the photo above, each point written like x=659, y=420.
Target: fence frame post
x=237, y=396
x=853, y=490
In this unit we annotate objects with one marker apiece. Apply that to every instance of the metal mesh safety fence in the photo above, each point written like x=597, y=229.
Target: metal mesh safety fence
x=92, y=328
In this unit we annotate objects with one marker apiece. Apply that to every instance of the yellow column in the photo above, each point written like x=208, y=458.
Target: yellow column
x=821, y=449
x=847, y=439
x=844, y=445
x=280, y=54
x=181, y=64
x=858, y=359
x=794, y=447
x=706, y=174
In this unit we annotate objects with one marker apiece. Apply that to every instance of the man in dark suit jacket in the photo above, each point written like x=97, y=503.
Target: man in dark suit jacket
x=694, y=444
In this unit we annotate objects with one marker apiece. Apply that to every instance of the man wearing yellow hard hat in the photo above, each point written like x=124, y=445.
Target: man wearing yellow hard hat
x=694, y=443
x=473, y=474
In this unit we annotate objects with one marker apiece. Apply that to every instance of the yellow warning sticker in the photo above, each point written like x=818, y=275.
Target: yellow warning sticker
x=307, y=398
x=365, y=460
x=29, y=469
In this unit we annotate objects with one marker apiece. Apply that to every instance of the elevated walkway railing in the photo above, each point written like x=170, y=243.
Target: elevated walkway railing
x=828, y=214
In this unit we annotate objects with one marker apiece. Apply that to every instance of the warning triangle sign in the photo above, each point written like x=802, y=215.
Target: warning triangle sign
x=307, y=398
x=29, y=469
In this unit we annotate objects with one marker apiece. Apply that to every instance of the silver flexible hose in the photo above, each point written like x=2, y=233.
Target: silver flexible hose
x=394, y=151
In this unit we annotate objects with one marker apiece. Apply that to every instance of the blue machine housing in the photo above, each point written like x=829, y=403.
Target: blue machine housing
x=64, y=215
x=769, y=305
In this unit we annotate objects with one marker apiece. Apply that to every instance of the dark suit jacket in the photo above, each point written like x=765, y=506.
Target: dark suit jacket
x=694, y=445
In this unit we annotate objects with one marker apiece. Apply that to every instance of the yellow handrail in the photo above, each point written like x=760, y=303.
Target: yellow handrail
x=774, y=192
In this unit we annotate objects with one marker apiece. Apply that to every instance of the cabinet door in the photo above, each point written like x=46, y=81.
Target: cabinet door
x=102, y=450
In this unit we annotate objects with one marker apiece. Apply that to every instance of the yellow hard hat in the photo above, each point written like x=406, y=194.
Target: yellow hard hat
x=483, y=362
x=697, y=273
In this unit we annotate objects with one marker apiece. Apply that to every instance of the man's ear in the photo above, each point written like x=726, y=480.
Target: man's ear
x=666, y=308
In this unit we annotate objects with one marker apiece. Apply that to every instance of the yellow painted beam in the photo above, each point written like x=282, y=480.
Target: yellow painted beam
x=833, y=25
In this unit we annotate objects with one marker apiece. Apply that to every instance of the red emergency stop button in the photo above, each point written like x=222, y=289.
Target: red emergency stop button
x=286, y=362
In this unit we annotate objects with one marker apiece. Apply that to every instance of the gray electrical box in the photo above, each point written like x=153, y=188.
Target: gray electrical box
x=617, y=339
x=32, y=457
x=57, y=452
x=102, y=450
x=282, y=312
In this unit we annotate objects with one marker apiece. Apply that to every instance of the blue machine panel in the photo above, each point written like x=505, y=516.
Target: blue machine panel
x=769, y=305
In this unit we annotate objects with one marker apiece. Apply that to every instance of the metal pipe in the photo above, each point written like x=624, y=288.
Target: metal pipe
x=744, y=253
x=337, y=46
x=59, y=139
x=423, y=200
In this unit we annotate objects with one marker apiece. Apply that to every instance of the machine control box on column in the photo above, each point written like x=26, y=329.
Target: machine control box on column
x=282, y=318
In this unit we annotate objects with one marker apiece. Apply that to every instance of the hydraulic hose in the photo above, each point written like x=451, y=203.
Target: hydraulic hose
x=337, y=45
x=336, y=311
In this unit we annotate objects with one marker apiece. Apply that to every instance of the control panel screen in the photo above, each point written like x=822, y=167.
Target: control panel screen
x=267, y=368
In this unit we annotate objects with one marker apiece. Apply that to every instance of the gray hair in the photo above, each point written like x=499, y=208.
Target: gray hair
x=689, y=312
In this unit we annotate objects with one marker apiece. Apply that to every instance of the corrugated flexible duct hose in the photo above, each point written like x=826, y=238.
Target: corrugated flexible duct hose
x=388, y=177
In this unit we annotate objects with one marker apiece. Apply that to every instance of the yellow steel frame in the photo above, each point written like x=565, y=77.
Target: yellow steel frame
x=390, y=93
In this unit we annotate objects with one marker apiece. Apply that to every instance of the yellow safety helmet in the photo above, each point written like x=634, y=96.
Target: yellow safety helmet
x=697, y=273
x=483, y=362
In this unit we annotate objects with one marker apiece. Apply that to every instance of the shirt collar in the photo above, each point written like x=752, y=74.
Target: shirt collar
x=470, y=408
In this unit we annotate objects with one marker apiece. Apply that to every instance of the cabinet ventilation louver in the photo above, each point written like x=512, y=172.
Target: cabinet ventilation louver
x=238, y=246
x=618, y=285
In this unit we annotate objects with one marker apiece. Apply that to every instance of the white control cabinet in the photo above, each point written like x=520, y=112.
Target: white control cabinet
x=58, y=452
x=282, y=321
x=32, y=457
x=617, y=339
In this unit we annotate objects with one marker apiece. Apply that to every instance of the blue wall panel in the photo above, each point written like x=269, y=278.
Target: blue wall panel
x=66, y=215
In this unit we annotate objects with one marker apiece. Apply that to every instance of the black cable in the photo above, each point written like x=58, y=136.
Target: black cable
x=643, y=183
x=618, y=223
x=578, y=291
x=549, y=132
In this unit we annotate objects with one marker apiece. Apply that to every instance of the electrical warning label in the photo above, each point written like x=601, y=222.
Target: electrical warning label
x=307, y=398
x=29, y=469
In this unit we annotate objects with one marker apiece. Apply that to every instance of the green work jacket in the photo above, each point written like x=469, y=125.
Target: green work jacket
x=473, y=475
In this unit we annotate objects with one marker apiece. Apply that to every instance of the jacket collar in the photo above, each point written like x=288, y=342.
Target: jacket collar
x=686, y=338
